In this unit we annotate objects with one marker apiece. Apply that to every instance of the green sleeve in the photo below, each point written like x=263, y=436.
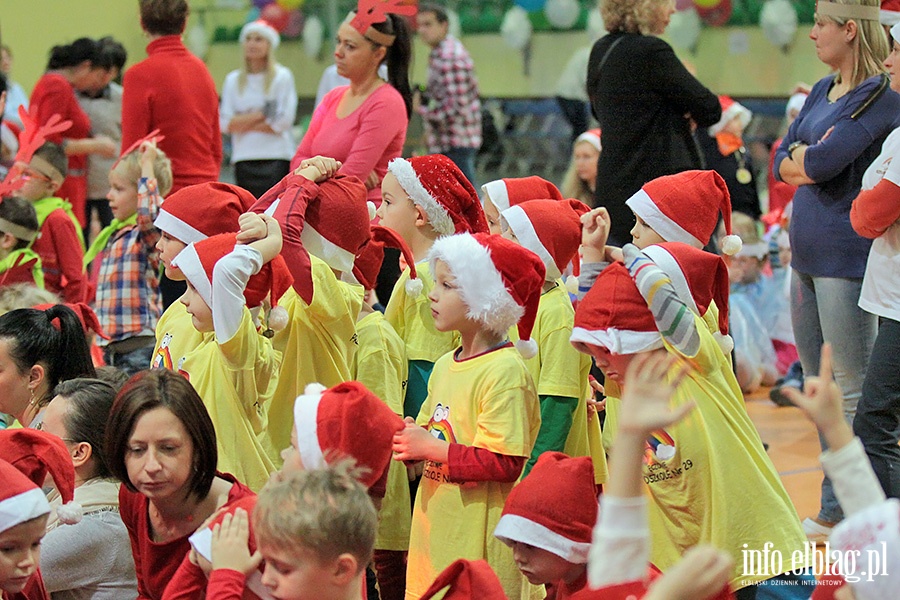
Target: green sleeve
x=556, y=421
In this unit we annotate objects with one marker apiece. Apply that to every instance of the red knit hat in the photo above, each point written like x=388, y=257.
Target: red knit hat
x=509, y=192
x=592, y=137
x=197, y=212
x=554, y=508
x=890, y=12
x=549, y=228
x=614, y=315
x=36, y=454
x=730, y=110
x=20, y=499
x=368, y=261
x=467, y=580
x=198, y=260
x=346, y=420
x=337, y=222
x=500, y=282
x=685, y=208
x=436, y=184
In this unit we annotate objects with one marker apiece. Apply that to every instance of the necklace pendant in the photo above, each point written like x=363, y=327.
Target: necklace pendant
x=743, y=175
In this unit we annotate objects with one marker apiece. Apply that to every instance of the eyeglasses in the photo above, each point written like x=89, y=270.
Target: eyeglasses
x=27, y=173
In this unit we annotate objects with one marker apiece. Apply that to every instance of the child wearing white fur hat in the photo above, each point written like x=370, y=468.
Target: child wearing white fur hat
x=479, y=423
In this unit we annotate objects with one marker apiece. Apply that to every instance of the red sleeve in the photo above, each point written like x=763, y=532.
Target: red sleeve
x=377, y=129
x=69, y=255
x=875, y=210
x=188, y=582
x=225, y=584
x=135, y=107
x=468, y=463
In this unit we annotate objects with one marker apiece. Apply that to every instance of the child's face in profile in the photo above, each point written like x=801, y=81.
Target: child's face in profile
x=448, y=309
x=201, y=314
x=642, y=235
x=169, y=248
x=291, y=457
x=492, y=214
x=612, y=365
x=38, y=185
x=297, y=574
x=397, y=211
x=20, y=553
x=122, y=196
x=541, y=567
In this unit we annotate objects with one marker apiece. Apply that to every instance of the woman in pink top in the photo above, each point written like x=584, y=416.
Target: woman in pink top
x=363, y=125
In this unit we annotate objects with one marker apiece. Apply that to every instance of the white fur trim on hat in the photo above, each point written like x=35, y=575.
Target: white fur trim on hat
x=437, y=215
x=665, y=261
x=591, y=138
x=188, y=261
x=795, y=102
x=521, y=225
x=617, y=341
x=176, y=228
x=889, y=17
x=735, y=110
x=316, y=244
x=644, y=207
x=306, y=413
x=23, y=507
x=895, y=32
x=498, y=193
x=263, y=29
x=516, y=528
x=479, y=281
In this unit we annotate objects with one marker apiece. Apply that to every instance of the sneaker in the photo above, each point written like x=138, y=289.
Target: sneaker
x=816, y=531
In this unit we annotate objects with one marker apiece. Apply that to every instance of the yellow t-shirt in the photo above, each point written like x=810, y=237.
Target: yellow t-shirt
x=318, y=345
x=488, y=401
x=559, y=369
x=236, y=381
x=381, y=366
x=175, y=337
x=709, y=477
x=410, y=316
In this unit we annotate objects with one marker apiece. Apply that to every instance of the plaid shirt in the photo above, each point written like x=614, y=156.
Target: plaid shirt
x=453, y=112
x=128, y=302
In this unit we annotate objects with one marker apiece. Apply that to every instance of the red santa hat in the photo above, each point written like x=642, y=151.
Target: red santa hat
x=614, y=315
x=436, y=184
x=730, y=110
x=467, y=580
x=20, y=499
x=368, y=261
x=685, y=207
x=344, y=421
x=337, y=222
x=890, y=12
x=198, y=261
x=509, y=192
x=499, y=280
x=197, y=212
x=261, y=28
x=592, y=137
x=36, y=454
x=554, y=508
x=549, y=228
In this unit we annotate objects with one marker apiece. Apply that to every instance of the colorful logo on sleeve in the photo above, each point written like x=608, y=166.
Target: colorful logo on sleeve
x=439, y=424
x=163, y=357
x=660, y=447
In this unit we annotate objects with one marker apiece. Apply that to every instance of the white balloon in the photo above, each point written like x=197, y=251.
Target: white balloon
x=197, y=40
x=562, y=14
x=516, y=28
x=313, y=36
x=684, y=28
x=778, y=20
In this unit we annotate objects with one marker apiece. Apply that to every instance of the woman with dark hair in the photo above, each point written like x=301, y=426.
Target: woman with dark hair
x=39, y=349
x=91, y=559
x=161, y=444
x=71, y=69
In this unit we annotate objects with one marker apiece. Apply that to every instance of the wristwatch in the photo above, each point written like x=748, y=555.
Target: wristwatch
x=792, y=147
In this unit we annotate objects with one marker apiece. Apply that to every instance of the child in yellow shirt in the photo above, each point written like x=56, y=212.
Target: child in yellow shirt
x=478, y=425
x=423, y=199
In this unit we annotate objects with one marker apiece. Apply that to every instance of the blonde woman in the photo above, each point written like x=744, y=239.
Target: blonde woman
x=581, y=178
x=259, y=104
x=838, y=133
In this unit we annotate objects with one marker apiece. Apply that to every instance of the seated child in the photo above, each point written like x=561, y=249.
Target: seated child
x=503, y=193
x=478, y=425
x=234, y=367
x=692, y=468
x=552, y=230
x=427, y=197
x=128, y=301
x=19, y=228
x=60, y=244
x=547, y=521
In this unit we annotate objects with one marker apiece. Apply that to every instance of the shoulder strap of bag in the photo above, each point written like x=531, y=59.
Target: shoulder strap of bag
x=883, y=85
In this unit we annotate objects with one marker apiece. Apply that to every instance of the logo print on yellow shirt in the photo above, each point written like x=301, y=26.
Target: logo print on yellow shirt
x=439, y=425
x=660, y=447
x=163, y=358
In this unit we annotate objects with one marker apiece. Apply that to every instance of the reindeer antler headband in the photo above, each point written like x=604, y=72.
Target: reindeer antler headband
x=372, y=12
x=32, y=137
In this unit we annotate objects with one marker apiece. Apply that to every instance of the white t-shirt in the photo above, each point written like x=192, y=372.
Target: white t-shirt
x=881, y=285
x=257, y=145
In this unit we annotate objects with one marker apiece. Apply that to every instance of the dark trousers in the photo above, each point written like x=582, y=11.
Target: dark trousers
x=259, y=176
x=576, y=113
x=171, y=290
x=877, y=421
x=464, y=158
x=104, y=215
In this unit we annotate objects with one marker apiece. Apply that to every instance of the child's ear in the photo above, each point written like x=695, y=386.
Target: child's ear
x=54, y=186
x=345, y=569
x=421, y=216
x=8, y=241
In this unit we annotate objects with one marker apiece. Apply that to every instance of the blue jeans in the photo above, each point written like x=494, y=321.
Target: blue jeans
x=825, y=309
x=464, y=158
x=877, y=421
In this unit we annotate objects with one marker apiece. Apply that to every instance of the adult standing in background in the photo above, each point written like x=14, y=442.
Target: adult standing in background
x=172, y=90
x=15, y=95
x=259, y=104
x=647, y=104
x=450, y=105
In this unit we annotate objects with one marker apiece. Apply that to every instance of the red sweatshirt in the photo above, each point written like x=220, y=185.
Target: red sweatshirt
x=34, y=590
x=172, y=90
x=61, y=254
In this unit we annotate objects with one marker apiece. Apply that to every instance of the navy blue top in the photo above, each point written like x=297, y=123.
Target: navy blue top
x=823, y=243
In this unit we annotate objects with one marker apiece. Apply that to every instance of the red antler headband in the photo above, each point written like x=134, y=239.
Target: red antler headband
x=152, y=136
x=32, y=137
x=372, y=12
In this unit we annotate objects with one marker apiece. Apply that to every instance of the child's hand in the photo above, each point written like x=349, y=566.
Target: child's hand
x=229, y=544
x=700, y=574
x=595, y=406
x=253, y=227
x=594, y=233
x=822, y=402
x=104, y=146
x=318, y=168
x=646, y=394
x=414, y=443
x=147, y=153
